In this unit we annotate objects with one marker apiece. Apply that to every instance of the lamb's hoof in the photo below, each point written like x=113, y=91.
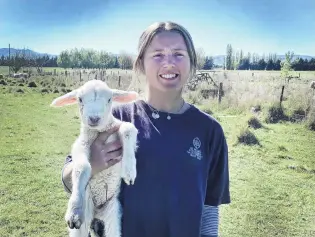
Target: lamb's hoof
x=74, y=218
x=98, y=227
x=129, y=174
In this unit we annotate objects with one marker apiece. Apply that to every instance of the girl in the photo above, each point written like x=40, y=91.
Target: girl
x=182, y=159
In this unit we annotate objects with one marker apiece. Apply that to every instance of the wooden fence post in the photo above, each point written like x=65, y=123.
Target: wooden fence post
x=281, y=96
x=118, y=81
x=220, y=92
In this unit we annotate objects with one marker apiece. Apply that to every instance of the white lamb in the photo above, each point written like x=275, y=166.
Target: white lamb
x=94, y=208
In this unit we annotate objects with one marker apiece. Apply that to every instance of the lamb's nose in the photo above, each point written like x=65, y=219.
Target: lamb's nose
x=94, y=120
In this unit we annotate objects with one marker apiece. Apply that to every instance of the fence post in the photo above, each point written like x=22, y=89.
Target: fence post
x=220, y=92
x=118, y=81
x=281, y=96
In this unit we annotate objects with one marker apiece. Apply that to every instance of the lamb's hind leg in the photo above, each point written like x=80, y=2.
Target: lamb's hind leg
x=128, y=135
x=107, y=221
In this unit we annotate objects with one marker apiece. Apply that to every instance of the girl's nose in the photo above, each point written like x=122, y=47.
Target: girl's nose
x=169, y=66
x=169, y=61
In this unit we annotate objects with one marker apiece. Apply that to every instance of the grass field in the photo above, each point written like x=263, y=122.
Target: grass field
x=272, y=184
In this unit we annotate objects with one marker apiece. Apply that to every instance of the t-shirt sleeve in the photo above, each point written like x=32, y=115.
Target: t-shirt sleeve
x=117, y=113
x=218, y=187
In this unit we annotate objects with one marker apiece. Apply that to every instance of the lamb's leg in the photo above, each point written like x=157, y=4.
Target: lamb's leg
x=128, y=135
x=80, y=176
x=88, y=208
x=107, y=221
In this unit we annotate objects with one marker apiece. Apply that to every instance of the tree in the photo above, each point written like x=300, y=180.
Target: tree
x=270, y=65
x=64, y=60
x=125, y=60
x=17, y=61
x=286, y=65
x=201, y=58
x=262, y=64
x=244, y=64
x=209, y=63
x=228, y=60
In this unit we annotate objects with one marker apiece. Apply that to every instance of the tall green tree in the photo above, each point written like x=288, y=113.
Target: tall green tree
x=286, y=65
x=229, y=57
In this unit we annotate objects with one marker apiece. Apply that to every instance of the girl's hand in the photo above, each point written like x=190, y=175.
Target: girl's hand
x=105, y=155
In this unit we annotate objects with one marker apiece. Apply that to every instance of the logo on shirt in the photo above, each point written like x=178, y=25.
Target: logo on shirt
x=195, y=151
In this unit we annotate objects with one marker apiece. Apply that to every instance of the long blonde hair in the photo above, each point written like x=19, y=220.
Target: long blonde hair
x=156, y=28
x=145, y=40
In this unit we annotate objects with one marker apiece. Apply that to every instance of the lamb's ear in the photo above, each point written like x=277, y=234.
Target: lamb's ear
x=121, y=96
x=67, y=99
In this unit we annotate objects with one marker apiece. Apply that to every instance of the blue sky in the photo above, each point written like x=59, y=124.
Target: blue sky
x=264, y=26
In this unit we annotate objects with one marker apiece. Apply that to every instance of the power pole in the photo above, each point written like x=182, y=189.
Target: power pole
x=9, y=60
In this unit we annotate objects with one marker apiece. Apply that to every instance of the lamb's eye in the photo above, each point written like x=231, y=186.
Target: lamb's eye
x=80, y=99
x=109, y=100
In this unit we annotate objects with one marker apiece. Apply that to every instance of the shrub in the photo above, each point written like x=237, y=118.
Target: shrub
x=3, y=82
x=63, y=90
x=256, y=109
x=19, y=91
x=298, y=115
x=45, y=90
x=32, y=84
x=275, y=114
x=253, y=122
x=247, y=137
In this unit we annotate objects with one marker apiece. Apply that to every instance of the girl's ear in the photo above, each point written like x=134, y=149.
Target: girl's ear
x=67, y=99
x=124, y=96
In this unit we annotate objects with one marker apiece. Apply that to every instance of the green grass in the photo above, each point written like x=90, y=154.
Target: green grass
x=34, y=141
x=268, y=197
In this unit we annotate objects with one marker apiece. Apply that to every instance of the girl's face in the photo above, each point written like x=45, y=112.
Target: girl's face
x=166, y=62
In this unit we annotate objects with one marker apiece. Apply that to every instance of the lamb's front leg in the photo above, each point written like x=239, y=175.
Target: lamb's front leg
x=128, y=135
x=88, y=210
x=80, y=176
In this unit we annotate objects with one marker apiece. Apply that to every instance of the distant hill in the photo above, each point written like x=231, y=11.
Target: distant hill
x=219, y=59
x=5, y=52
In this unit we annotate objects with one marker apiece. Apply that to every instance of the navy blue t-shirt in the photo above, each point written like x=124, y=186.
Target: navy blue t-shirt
x=182, y=165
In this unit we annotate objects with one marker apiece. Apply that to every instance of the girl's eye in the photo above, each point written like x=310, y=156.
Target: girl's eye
x=157, y=55
x=179, y=55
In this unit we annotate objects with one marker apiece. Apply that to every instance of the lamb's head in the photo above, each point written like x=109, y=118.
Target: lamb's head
x=95, y=101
